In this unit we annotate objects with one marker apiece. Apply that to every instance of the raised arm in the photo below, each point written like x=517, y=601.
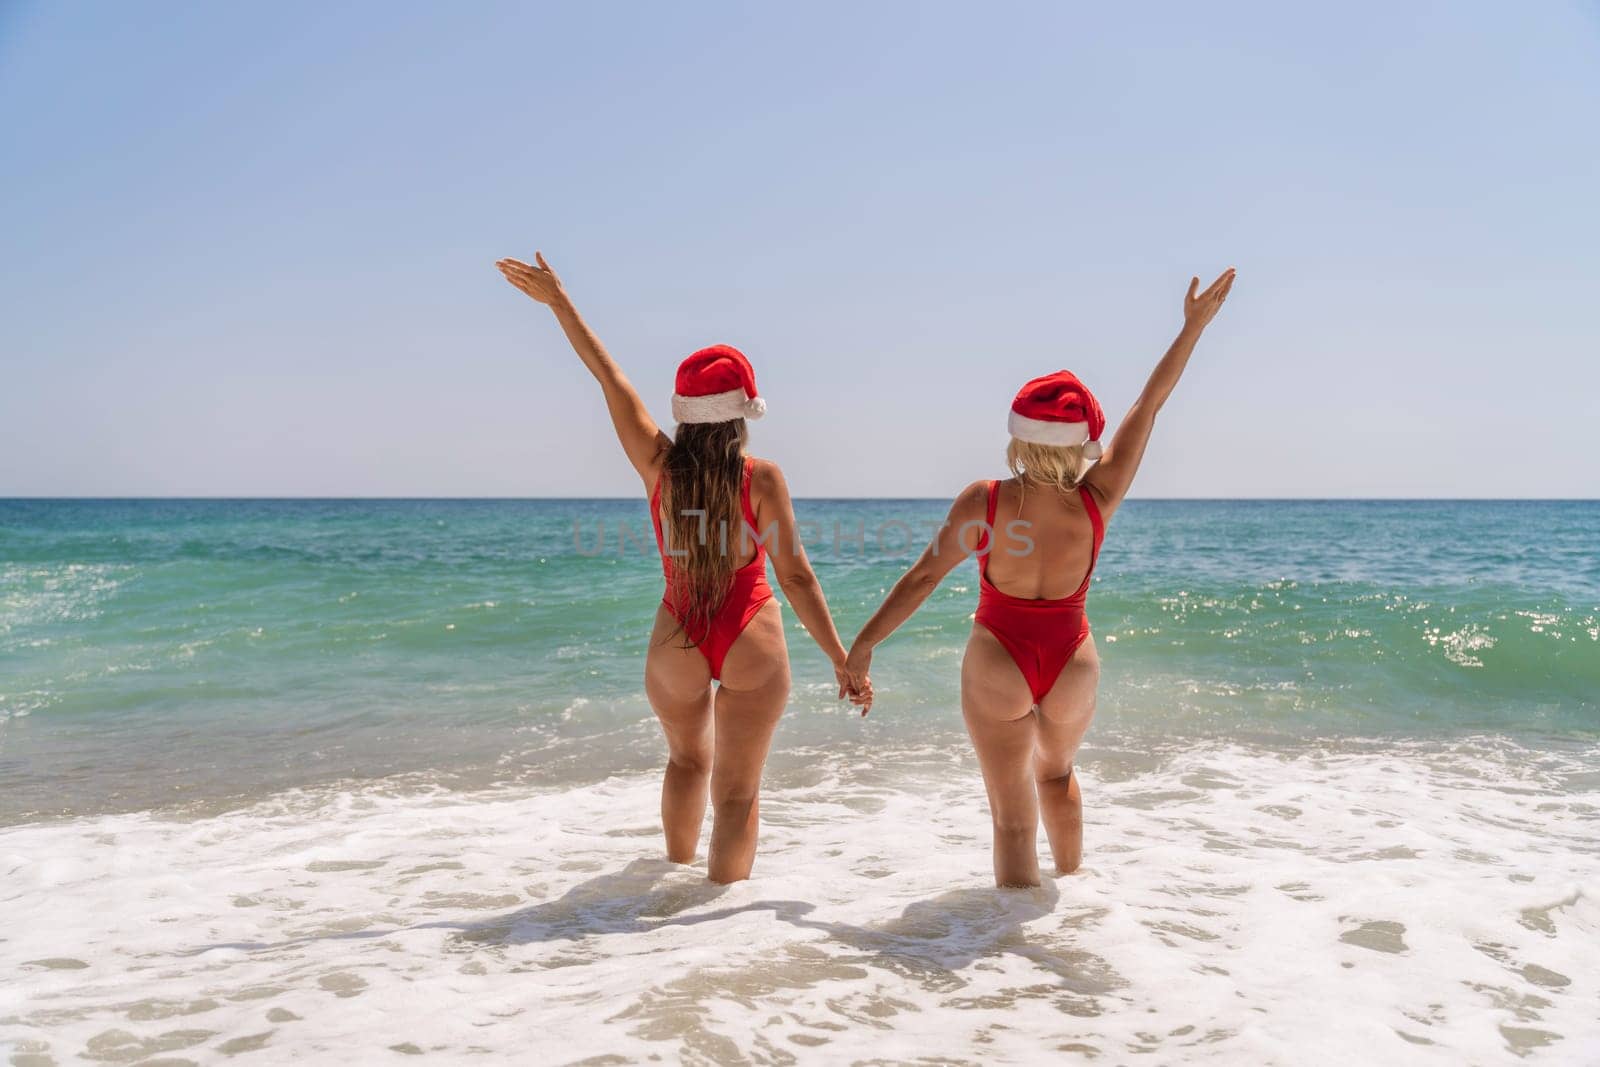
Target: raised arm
x=775, y=516
x=958, y=537
x=641, y=438
x=1111, y=477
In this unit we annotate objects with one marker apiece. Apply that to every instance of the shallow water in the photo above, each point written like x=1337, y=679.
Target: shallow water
x=1414, y=905
x=211, y=652
x=306, y=779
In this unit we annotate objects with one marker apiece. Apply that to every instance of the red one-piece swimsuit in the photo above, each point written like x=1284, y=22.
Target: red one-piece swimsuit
x=747, y=593
x=1041, y=635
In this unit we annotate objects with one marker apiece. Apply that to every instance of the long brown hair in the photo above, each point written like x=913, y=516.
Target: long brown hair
x=701, y=482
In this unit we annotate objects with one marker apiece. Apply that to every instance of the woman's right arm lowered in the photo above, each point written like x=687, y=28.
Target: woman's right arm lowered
x=1111, y=477
x=641, y=438
x=957, y=538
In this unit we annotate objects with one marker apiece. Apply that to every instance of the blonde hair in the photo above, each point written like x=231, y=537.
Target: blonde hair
x=1059, y=467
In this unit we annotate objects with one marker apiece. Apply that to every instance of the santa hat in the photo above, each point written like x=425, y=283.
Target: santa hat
x=716, y=384
x=1058, y=410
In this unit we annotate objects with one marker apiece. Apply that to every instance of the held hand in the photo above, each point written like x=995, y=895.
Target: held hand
x=855, y=677
x=538, y=282
x=1199, y=310
x=857, y=690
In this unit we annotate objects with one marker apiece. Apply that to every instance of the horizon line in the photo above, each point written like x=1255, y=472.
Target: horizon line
x=640, y=497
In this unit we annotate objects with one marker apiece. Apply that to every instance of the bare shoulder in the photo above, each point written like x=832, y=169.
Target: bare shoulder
x=1096, y=486
x=968, y=513
x=1105, y=498
x=975, y=494
x=767, y=487
x=971, y=504
x=766, y=477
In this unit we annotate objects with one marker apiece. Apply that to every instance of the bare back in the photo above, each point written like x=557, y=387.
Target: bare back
x=1046, y=554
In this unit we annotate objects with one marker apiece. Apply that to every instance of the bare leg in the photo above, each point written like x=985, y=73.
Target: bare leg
x=1064, y=717
x=751, y=698
x=678, y=682
x=999, y=714
x=1061, y=803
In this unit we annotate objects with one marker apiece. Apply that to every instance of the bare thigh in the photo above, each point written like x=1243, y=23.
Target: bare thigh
x=1066, y=711
x=755, y=687
x=677, y=681
x=749, y=702
x=997, y=707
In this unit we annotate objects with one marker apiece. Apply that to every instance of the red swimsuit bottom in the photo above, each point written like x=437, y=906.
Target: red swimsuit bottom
x=1041, y=635
x=746, y=595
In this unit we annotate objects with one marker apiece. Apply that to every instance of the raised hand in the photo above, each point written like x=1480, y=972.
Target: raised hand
x=1200, y=310
x=538, y=282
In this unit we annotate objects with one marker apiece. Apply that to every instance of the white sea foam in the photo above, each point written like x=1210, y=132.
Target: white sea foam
x=1236, y=906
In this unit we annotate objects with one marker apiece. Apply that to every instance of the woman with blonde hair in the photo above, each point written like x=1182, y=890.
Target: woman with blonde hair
x=719, y=514
x=1031, y=669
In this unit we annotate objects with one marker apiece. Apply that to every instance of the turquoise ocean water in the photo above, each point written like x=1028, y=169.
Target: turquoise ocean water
x=161, y=651
x=351, y=780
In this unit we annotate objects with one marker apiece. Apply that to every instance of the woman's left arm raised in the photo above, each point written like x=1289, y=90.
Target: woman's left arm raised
x=641, y=438
x=1111, y=477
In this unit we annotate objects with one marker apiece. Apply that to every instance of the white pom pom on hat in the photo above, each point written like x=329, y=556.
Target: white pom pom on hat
x=716, y=384
x=1058, y=409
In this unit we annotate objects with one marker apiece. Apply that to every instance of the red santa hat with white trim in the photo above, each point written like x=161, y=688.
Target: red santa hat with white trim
x=716, y=384
x=1058, y=409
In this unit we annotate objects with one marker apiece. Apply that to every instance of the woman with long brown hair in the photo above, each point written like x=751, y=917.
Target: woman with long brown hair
x=718, y=515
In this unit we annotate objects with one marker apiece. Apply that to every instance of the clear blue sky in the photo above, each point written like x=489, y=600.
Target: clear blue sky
x=248, y=248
